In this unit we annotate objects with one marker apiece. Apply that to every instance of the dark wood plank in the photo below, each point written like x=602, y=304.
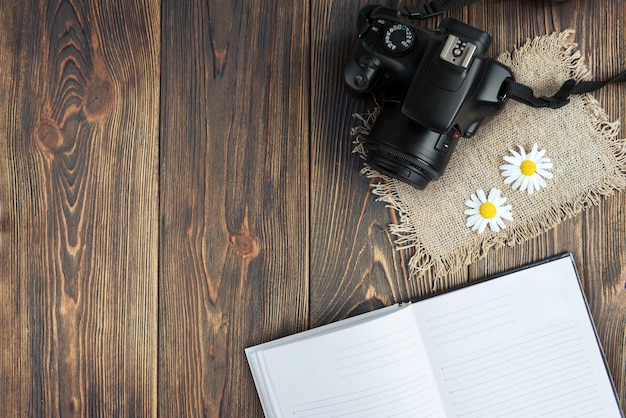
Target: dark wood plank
x=234, y=196
x=15, y=370
x=79, y=207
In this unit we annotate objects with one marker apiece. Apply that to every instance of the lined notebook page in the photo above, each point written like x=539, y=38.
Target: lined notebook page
x=372, y=369
x=520, y=345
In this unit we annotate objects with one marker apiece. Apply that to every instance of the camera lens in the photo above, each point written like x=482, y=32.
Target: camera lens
x=401, y=148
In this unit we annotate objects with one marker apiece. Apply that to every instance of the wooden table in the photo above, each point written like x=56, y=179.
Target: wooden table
x=177, y=183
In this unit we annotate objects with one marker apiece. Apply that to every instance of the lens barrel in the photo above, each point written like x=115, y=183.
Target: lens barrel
x=401, y=148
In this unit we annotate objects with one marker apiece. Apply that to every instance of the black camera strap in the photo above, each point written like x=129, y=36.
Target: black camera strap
x=433, y=8
x=525, y=94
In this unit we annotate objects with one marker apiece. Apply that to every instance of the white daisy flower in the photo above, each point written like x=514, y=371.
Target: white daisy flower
x=527, y=171
x=487, y=210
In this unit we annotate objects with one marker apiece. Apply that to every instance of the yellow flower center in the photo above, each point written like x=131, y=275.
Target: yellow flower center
x=528, y=167
x=488, y=210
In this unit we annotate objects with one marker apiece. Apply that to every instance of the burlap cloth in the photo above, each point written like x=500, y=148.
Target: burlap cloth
x=582, y=143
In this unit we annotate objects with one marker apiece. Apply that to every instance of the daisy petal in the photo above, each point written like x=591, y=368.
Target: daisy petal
x=472, y=204
x=513, y=160
x=474, y=219
x=518, y=182
x=512, y=173
x=483, y=224
x=510, y=179
x=540, y=155
x=516, y=155
x=544, y=173
x=540, y=182
x=507, y=215
x=524, y=185
x=510, y=167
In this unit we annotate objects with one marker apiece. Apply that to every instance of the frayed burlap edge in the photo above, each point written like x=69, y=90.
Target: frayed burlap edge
x=407, y=237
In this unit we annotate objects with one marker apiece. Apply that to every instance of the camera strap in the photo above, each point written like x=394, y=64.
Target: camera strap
x=433, y=8
x=525, y=94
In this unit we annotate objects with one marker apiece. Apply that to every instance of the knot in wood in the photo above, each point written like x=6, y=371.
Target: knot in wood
x=246, y=244
x=49, y=137
x=99, y=97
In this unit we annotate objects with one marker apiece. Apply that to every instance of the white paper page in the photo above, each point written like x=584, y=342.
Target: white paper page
x=520, y=345
x=375, y=368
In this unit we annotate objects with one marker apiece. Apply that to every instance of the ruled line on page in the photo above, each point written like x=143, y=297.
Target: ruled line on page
x=566, y=377
x=399, y=354
x=476, y=330
x=400, y=341
x=561, y=399
x=403, y=392
x=523, y=343
x=378, y=387
x=362, y=373
x=547, y=366
x=382, y=337
x=580, y=407
x=488, y=311
x=478, y=324
x=519, y=358
x=369, y=355
x=479, y=317
x=471, y=369
x=527, y=375
x=371, y=368
x=508, y=367
x=487, y=351
x=462, y=310
x=390, y=405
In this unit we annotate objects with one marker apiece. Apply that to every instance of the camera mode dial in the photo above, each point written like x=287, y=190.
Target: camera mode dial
x=399, y=39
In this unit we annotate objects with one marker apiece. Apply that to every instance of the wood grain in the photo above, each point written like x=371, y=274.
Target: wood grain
x=80, y=141
x=177, y=183
x=234, y=196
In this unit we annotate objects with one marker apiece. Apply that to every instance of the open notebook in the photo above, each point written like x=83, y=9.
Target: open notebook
x=522, y=344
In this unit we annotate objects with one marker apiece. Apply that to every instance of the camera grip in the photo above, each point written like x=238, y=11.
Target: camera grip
x=362, y=73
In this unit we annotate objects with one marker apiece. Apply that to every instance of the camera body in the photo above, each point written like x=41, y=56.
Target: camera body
x=438, y=86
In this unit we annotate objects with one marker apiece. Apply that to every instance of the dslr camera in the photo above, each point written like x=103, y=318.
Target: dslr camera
x=437, y=86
